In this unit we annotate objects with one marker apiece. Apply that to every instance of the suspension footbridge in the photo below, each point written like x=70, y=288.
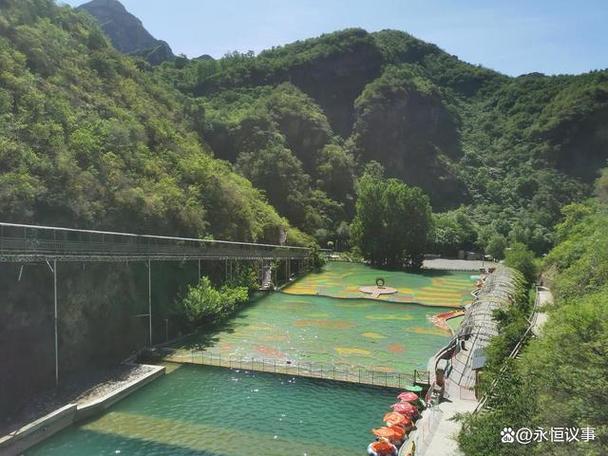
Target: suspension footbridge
x=23, y=244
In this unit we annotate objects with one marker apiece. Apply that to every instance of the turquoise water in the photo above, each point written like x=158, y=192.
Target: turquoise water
x=207, y=411
x=454, y=323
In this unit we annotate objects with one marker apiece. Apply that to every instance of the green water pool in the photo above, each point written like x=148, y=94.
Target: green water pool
x=351, y=333
x=207, y=411
x=454, y=323
x=381, y=335
x=431, y=288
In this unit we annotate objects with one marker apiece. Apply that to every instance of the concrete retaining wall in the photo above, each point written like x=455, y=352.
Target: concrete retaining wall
x=99, y=405
x=33, y=433
x=29, y=435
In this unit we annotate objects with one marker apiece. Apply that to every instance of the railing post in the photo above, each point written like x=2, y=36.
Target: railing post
x=150, y=299
x=56, y=321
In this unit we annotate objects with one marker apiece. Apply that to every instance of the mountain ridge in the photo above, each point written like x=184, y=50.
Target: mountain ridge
x=126, y=31
x=465, y=134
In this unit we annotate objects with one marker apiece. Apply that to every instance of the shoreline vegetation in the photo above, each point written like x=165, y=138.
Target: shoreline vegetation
x=560, y=377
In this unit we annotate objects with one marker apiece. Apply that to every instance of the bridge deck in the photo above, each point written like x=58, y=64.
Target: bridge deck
x=28, y=243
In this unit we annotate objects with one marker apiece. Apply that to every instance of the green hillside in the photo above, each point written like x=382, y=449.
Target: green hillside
x=561, y=375
x=88, y=139
x=511, y=150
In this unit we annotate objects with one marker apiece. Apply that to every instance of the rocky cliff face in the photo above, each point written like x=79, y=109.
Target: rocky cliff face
x=126, y=31
x=413, y=134
x=334, y=82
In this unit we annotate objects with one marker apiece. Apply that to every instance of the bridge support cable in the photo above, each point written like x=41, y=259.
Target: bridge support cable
x=56, y=318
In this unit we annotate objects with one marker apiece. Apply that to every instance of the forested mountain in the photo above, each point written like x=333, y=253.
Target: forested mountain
x=126, y=31
x=88, y=139
x=498, y=156
x=304, y=119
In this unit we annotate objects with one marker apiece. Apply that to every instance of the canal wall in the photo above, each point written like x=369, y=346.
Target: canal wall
x=102, y=319
x=41, y=429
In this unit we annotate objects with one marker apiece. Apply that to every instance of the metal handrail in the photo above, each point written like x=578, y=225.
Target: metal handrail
x=19, y=240
x=349, y=374
x=147, y=236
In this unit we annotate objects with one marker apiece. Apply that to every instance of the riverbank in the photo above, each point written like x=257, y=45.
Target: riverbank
x=80, y=397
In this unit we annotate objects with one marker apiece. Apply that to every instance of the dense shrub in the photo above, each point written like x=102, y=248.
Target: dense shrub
x=206, y=304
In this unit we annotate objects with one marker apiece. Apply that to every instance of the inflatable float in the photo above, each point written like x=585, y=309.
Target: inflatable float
x=382, y=448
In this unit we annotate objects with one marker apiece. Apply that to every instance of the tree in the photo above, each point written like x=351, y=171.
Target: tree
x=496, y=247
x=335, y=169
x=316, y=258
x=519, y=257
x=279, y=173
x=454, y=230
x=392, y=222
x=342, y=236
x=601, y=186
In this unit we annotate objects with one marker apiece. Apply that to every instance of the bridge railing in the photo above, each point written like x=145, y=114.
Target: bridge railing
x=340, y=373
x=24, y=240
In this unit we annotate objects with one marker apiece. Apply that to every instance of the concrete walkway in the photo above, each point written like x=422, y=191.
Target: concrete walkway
x=439, y=431
x=545, y=298
x=444, y=438
x=456, y=265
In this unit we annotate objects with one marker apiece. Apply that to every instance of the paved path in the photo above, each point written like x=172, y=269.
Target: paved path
x=545, y=298
x=456, y=265
x=443, y=440
x=441, y=430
